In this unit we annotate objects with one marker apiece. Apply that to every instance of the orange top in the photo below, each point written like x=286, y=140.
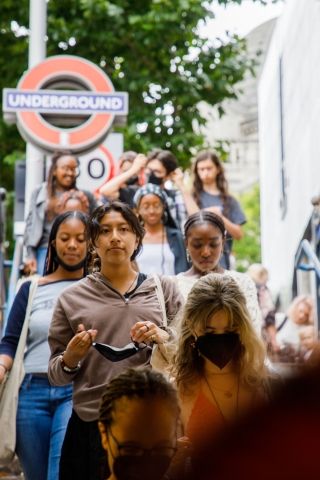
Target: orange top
x=205, y=419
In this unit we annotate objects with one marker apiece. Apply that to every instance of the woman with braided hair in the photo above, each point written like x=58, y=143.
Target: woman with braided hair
x=43, y=410
x=205, y=236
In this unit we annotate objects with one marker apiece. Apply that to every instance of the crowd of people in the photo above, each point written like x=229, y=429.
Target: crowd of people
x=143, y=345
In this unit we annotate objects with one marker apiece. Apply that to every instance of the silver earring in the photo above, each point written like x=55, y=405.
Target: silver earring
x=188, y=256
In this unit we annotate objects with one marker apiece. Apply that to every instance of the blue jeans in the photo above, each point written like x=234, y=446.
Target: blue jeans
x=42, y=418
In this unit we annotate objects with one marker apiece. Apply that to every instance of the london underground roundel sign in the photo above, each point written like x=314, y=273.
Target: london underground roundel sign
x=41, y=113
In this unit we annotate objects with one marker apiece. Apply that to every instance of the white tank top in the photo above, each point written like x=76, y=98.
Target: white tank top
x=156, y=258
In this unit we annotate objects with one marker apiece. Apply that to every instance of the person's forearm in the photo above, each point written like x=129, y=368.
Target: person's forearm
x=188, y=199
x=233, y=229
x=115, y=183
x=5, y=364
x=190, y=203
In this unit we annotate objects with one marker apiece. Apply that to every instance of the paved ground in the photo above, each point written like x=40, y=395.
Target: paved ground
x=11, y=472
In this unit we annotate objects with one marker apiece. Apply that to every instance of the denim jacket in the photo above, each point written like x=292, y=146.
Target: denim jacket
x=176, y=244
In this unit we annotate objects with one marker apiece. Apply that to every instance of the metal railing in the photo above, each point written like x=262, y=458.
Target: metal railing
x=307, y=261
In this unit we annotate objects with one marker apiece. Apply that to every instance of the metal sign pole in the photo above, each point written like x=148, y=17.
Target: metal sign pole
x=37, y=53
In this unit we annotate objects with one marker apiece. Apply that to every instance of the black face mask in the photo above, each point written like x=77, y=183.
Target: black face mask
x=115, y=354
x=144, y=467
x=69, y=268
x=218, y=348
x=152, y=178
x=132, y=180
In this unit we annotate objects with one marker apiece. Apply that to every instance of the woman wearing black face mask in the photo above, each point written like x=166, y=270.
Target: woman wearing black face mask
x=219, y=366
x=162, y=166
x=43, y=410
x=138, y=422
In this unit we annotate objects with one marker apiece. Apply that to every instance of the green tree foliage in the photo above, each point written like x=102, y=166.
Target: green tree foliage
x=150, y=48
x=248, y=250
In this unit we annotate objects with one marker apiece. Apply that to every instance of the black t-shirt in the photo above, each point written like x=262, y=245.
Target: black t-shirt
x=126, y=194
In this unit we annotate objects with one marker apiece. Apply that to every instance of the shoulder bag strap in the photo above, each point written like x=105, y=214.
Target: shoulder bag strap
x=282, y=323
x=24, y=332
x=159, y=292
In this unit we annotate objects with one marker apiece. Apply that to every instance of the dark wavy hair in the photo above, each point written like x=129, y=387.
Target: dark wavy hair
x=165, y=157
x=221, y=180
x=50, y=265
x=137, y=383
x=54, y=160
x=128, y=215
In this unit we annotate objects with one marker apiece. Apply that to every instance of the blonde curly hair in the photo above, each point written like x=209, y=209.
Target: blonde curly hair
x=211, y=294
x=308, y=316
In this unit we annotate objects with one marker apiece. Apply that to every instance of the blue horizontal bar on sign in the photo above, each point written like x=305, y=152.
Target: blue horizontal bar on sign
x=65, y=101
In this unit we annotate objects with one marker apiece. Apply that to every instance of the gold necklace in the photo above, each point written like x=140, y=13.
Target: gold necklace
x=228, y=394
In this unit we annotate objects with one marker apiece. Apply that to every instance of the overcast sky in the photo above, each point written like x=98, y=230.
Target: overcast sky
x=240, y=19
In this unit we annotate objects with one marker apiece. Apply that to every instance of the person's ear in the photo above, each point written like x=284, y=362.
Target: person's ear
x=104, y=436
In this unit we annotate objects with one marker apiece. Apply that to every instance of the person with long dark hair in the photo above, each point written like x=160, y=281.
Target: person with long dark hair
x=44, y=410
x=162, y=167
x=210, y=192
x=44, y=207
x=104, y=313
